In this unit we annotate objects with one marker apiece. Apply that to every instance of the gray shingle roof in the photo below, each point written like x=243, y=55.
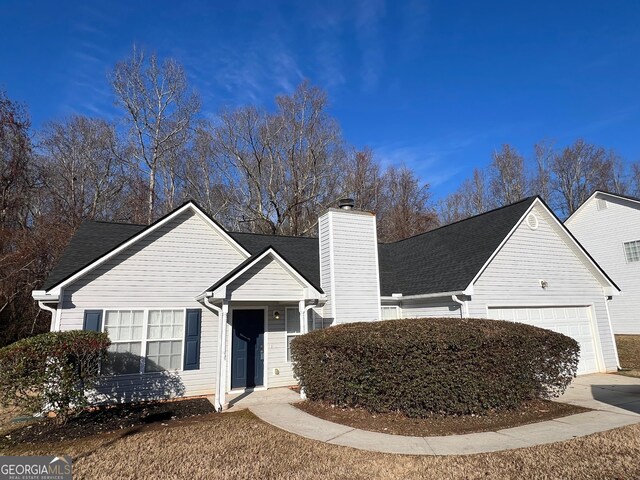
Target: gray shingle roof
x=90, y=242
x=448, y=258
x=441, y=260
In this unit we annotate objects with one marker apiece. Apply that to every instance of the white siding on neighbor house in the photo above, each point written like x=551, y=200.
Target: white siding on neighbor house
x=267, y=280
x=603, y=233
x=168, y=268
x=430, y=308
x=512, y=279
x=352, y=281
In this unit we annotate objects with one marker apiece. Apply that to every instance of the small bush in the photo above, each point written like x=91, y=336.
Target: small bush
x=434, y=366
x=52, y=371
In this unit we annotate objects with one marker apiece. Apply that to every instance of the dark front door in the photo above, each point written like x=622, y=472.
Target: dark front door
x=247, y=349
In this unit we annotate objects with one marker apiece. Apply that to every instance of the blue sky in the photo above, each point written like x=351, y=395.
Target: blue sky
x=436, y=85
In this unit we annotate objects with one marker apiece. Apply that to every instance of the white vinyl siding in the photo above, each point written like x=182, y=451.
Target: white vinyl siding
x=512, y=279
x=632, y=251
x=265, y=281
x=349, y=265
x=166, y=269
x=603, y=233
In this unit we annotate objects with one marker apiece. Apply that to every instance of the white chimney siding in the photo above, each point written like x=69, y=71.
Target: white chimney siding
x=349, y=265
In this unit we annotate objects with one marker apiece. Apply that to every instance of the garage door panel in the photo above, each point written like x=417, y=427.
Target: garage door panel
x=574, y=322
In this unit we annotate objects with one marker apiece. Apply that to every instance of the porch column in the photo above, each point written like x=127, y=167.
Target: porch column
x=223, y=373
x=303, y=329
x=302, y=310
x=221, y=363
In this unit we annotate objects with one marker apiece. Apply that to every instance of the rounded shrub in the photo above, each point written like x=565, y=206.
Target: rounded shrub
x=434, y=366
x=52, y=371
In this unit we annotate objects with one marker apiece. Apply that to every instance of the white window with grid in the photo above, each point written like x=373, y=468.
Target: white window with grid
x=292, y=321
x=144, y=341
x=125, y=331
x=390, y=313
x=632, y=251
x=165, y=331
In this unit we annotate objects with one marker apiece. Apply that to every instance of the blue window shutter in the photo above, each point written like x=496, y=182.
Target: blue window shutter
x=192, y=339
x=92, y=320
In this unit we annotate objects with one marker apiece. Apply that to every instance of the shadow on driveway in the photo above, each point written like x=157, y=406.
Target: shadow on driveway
x=626, y=397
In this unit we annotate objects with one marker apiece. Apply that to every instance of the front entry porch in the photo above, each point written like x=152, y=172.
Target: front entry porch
x=263, y=303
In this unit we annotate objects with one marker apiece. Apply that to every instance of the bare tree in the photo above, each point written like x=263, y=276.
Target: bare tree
x=579, y=170
x=508, y=182
x=280, y=168
x=15, y=166
x=405, y=210
x=541, y=181
x=204, y=180
x=471, y=198
x=364, y=180
x=635, y=179
x=80, y=169
x=160, y=109
x=29, y=242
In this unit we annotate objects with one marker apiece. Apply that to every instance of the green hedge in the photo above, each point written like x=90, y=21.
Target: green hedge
x=52, y=371
x=434, y=366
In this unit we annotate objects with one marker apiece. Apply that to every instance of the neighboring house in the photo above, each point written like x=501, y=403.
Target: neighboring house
x=608, y=226
x=161, y=291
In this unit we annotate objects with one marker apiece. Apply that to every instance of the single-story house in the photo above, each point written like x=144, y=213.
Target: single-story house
x=608, y=226
x=186, y=302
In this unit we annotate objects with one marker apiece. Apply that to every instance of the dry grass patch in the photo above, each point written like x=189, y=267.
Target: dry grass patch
x=629, y=354
x=238, y=445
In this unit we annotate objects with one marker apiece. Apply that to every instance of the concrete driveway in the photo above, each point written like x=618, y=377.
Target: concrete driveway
x=607, y=392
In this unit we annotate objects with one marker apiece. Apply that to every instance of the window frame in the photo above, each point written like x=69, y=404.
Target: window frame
x=286, y=330
x=397, y=309
x=144, y=341
x=624, y=251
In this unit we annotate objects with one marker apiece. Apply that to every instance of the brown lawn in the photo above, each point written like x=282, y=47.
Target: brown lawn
x=238, y=445
x=629, y=354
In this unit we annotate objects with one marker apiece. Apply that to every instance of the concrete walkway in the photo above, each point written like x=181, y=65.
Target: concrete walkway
x=615, y=401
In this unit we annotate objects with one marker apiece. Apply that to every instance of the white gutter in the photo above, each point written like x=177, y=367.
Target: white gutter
x=396, y=296
x=53, y=311
x=43, y=296
x=463, y=306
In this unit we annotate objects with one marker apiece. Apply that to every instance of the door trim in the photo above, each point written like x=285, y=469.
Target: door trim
x=265, y=376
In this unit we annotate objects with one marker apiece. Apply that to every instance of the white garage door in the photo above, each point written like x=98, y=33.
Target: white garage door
x=574, y=322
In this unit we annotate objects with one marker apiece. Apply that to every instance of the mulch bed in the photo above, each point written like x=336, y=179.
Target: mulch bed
x=399, y=424
x=105, y=420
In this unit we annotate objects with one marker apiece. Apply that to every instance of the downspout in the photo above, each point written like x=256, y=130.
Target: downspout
x=222, y=346
x=463, y=306
x=54, y=313
x=613, y=337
